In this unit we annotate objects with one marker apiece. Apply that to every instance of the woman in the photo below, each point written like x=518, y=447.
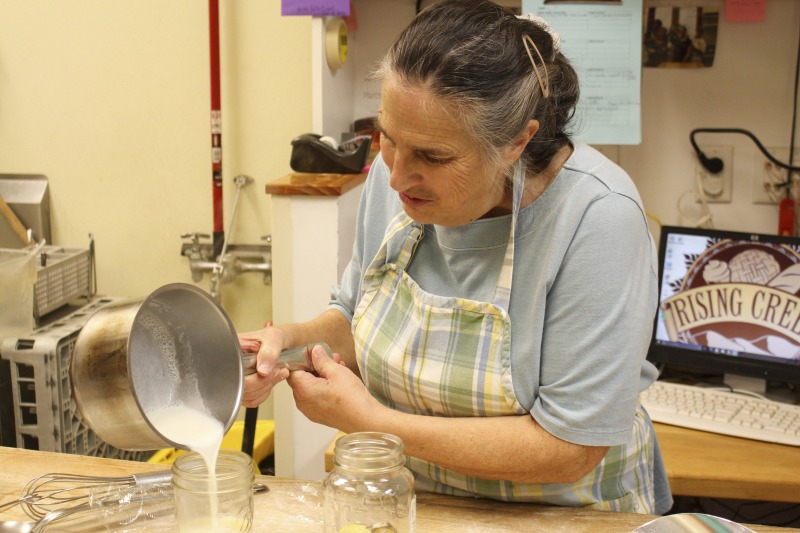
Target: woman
x=498, y=306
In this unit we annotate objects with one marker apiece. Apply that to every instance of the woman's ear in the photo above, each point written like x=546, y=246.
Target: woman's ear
x=515, y=149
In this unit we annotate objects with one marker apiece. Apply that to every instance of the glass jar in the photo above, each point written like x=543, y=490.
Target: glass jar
x=222, y=502
x=369, y=488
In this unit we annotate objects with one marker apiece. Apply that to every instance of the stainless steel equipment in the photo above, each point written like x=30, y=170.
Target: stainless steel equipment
x=176, y=347
x=233, y=259
x=62, y=275
x=28, y=197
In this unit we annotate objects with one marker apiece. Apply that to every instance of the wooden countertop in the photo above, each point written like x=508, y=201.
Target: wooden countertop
x=308, y=184
x=717, y=466
x=293, y=506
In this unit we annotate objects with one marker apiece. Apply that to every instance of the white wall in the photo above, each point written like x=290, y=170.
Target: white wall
x=750, y=86
x=110, y=99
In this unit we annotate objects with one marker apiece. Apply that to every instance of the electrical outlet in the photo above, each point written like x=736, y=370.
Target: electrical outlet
x=766, y=175
x=717, y=188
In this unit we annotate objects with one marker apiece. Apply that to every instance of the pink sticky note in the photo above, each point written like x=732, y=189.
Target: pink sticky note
x=744, y=10
x=331, y=8
x=351, y=21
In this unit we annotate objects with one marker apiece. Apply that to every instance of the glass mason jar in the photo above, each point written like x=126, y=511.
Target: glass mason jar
x=369, y=488
x=222, y=502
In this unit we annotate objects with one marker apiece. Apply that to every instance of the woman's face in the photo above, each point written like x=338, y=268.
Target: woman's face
x=435, y=167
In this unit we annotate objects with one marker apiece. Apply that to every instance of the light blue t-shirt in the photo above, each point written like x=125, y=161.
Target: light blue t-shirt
x=583, y=297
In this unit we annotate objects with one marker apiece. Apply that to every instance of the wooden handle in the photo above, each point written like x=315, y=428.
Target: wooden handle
x=16, y=225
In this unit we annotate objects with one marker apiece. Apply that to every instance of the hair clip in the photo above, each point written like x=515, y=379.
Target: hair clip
x=544, y=83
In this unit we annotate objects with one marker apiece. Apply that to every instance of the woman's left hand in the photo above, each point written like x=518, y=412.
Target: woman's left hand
x=335, y=397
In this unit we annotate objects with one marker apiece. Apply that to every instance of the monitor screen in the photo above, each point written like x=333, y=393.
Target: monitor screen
x=729, y=303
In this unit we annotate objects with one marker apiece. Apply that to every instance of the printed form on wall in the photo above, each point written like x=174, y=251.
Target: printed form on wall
x=602, y=41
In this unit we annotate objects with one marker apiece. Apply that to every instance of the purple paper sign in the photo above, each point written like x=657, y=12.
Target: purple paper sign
x=331, y=8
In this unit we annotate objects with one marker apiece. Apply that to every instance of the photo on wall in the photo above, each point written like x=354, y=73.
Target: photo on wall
x=680, y=36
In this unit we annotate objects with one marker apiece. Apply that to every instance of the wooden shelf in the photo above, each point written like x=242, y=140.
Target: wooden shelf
x=308, y=184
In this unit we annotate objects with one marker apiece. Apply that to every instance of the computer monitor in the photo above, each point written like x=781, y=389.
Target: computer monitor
x=729, y=303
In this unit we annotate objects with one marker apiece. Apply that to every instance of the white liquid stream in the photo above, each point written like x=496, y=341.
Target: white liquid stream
x=197, y=431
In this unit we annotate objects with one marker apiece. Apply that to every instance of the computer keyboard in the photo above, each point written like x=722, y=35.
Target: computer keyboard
x=722, y=411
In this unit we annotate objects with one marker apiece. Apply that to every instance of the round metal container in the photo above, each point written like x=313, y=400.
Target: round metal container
x=175, y=347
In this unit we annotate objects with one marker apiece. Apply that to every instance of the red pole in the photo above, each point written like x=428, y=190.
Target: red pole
x=216, y=126
x=251, y=413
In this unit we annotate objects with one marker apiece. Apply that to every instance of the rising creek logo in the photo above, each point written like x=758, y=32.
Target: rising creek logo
x=741, y=296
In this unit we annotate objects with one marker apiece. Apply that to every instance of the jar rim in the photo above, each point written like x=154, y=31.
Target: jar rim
x=369, y=451
x=192, y=467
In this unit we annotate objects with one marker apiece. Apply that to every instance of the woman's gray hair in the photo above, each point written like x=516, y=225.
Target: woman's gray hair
x=472, y=54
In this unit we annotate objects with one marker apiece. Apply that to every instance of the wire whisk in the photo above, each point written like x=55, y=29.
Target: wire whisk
x=54, y=491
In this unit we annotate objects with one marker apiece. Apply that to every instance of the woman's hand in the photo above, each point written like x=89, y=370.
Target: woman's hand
x=267, y=344
x=335, y=397
x=330, y=326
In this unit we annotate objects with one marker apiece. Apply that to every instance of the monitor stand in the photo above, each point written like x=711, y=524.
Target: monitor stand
x=736, y=382
x=773, y=390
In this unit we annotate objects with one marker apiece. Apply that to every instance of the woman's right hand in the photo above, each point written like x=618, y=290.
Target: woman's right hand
x=267, y=344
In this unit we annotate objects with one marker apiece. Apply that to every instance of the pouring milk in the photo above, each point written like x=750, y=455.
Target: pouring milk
x=197, y=431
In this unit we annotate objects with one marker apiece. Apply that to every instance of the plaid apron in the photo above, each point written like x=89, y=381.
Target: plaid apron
x=443, y=356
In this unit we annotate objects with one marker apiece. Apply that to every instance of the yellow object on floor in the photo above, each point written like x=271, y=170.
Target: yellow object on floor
x=263, y=447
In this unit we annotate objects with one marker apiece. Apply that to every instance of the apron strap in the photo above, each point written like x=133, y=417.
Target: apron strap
x=502, y=294
x=400, y=222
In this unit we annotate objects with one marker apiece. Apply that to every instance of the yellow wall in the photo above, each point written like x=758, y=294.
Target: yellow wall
x=110, y=100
